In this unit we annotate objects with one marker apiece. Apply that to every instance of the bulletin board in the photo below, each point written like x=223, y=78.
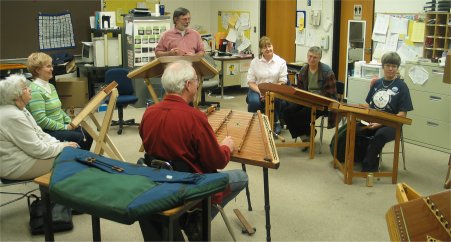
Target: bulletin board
x=229, y=18
x=236, y=27
x=19, y=24
x=404, y=34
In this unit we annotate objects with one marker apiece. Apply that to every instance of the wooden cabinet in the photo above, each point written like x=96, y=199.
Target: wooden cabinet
x=431, y=117
x=437, y=34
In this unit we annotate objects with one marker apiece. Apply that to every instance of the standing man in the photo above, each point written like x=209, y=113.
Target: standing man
x=180, y=40
x=318, y=78
x=174, y=131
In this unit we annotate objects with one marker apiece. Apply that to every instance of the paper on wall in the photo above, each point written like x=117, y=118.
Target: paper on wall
x=381, y=26
x=398, y=25
x=417, y=32
x=407, y=52
x=225, y=20
x=391, y=44
x=232, y=35
x=233, y=19
x=418, y=74
x=245, y=42
x=244, y=22
x=300, y=36
x=379, y=37
x=379, y=50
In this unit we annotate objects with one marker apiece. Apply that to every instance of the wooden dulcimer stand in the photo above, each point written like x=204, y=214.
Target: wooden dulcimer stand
x=254, y=145
x=100, y=132
x=156, y=67
x=354, y=113
x=291, y=94
x=418, y=218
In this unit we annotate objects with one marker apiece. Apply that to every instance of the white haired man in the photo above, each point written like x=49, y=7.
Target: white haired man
x=174, y=131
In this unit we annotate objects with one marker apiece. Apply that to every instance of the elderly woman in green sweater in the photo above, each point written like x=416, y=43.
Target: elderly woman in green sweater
x=45, y=105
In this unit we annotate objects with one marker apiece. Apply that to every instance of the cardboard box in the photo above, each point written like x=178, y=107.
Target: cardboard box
x=73, y=92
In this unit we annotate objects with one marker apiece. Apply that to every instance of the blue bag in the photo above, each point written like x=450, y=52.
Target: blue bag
x=124, y=192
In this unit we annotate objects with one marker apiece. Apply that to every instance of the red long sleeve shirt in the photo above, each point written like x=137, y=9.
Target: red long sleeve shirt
x=173, y=130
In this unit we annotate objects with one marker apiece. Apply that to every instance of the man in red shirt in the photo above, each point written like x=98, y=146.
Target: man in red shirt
x=174, y=131
x=180, y=40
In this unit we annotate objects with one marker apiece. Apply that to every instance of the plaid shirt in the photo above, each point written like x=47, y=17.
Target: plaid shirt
x=327, y=84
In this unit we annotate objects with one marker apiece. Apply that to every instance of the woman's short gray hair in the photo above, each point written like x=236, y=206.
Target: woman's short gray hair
x=11, y=88
x=175, y=76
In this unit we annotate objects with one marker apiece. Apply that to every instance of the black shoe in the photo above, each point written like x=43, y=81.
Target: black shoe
x=193, y=225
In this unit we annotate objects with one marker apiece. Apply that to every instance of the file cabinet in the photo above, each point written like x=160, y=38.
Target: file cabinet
x=431, y=117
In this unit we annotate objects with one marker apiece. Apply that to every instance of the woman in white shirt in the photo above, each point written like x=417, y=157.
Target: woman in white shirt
x=266, y=68
x=26, y=151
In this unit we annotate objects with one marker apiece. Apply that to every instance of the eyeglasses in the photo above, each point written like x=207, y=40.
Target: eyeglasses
x=193, y=79
x=184, y=19
x=392, y=66
x=314, y=57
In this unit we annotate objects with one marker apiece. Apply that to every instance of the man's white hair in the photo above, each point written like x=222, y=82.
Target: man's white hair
x=175, y=76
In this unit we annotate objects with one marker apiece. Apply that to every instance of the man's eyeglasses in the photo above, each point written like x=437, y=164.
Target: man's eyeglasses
x=193, y=79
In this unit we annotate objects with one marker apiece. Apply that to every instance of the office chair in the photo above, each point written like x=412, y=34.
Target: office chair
x=340, y=95
x=5, y=183
x=208, y=85
x=126, y=95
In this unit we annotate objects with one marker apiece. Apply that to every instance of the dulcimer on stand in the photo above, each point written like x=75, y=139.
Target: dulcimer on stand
x=254, y=143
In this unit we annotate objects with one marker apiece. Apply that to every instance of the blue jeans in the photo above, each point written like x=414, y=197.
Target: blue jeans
x=237, y=181
x=254, y=104
x=78, y=135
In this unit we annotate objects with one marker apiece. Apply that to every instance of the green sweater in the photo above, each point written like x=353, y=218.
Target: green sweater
x=46, y=108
